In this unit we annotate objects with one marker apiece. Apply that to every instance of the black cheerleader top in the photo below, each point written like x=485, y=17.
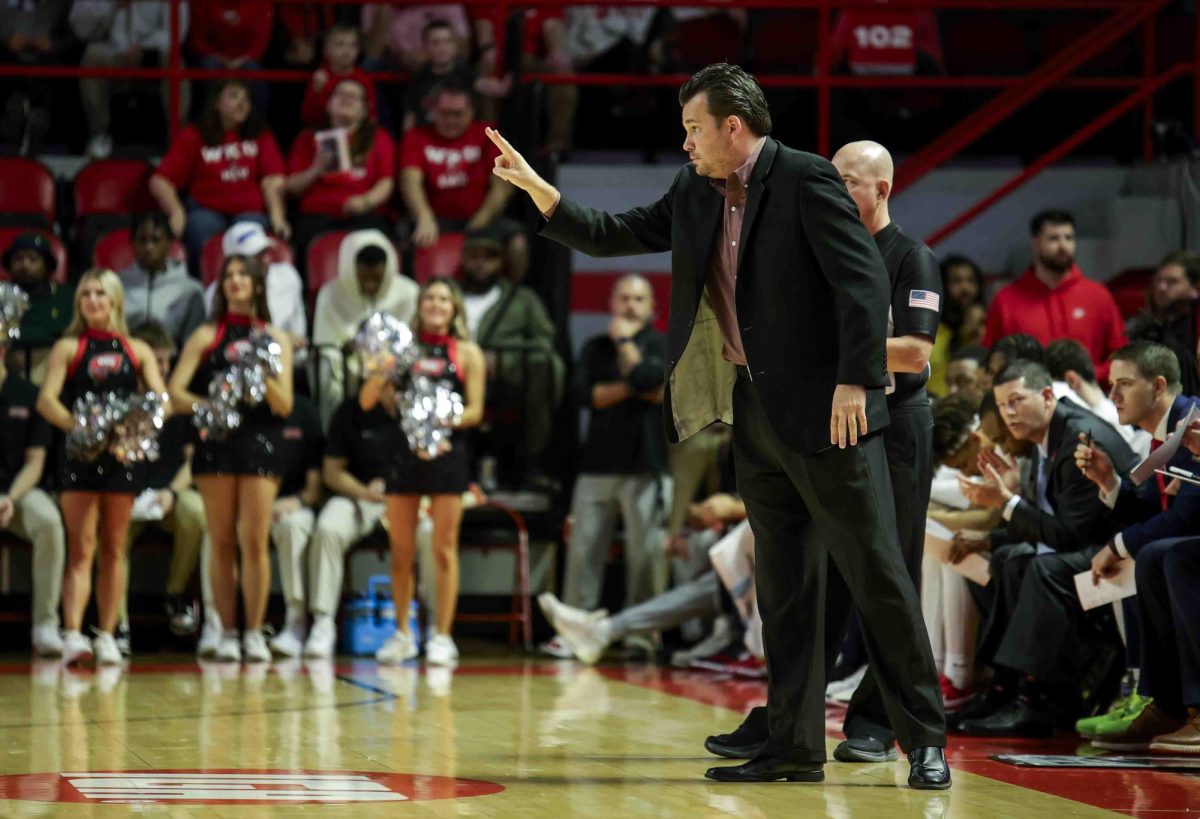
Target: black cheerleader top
x=104, y=364
x=230, y=343
x=438, y=361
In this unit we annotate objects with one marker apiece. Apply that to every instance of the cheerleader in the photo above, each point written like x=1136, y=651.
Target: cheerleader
x=239, y=475
x=446, y=356
x=95, y=355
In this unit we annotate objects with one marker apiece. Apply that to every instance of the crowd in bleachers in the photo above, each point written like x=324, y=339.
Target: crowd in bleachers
x=380, y=191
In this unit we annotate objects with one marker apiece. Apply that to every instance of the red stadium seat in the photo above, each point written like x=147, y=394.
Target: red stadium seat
x=1129, y=289
x=440, y=259
x=113, y=186
x=695, y=43
x=783, y=42
x=26, y=193
x=213, y=256
x=114, y=250
x=321, y=260
x=8, y=234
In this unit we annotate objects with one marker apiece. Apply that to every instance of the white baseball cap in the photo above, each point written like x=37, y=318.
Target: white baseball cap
x=245, y=239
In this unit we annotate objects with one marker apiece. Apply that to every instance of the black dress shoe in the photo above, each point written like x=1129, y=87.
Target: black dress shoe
x=766, y=769
x=746, y=742
x=864, y=749
x=1019, y=718
x=928, y=769
x=982, y=706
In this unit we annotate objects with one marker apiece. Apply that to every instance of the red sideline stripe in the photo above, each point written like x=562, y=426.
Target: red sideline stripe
x=590, y=292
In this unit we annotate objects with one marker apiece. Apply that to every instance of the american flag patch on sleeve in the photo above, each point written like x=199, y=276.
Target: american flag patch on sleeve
x=924, y=298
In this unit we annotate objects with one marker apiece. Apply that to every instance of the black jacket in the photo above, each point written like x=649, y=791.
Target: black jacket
x=812, y=293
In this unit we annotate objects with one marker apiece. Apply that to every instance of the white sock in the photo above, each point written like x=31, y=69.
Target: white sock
x=229, y=634
x=959, y=671
x=322, y=619
x=295, y=618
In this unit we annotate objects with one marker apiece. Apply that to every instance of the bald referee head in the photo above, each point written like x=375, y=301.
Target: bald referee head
x=867, y=170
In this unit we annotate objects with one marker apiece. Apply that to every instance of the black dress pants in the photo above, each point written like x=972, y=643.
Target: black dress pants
x=803, y=507
x=908, y=441
x=1168, y=600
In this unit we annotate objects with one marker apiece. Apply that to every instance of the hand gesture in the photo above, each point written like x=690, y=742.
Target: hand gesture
x=511, y=166
x=1106, y=563
x=426, y=231
x=375, y=491
x=968, y=542
x=1004, y=470
x=849, y=417
x=983, y=492
x=1095, y=465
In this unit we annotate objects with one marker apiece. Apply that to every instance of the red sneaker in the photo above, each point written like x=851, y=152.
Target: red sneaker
x=953, y=697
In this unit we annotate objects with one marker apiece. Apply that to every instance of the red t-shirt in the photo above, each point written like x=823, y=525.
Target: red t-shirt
x=456, y=172
x=1077, y=308
x=313, y=110
x=231, y=28
x=226, y=178
x=331, y=190
x=533, y=41
x=885, y=41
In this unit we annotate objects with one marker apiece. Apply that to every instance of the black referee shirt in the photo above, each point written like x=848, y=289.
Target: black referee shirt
x=916, y=300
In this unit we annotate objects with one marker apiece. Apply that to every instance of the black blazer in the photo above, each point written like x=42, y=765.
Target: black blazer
x=812, y=292
x=1080, y=518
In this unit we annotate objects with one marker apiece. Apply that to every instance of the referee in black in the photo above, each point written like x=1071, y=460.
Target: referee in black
x=916, y=284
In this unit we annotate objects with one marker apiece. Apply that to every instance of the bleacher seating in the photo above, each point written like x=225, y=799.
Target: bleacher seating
x=27, y=193
x=440, y=259
x=114, y=250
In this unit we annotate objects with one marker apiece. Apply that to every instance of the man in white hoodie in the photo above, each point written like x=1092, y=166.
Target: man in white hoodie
x=368, y=282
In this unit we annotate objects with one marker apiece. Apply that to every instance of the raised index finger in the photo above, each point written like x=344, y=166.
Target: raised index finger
x=499, y=141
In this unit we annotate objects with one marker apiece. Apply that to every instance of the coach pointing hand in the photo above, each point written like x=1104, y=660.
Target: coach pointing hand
x=779, y=302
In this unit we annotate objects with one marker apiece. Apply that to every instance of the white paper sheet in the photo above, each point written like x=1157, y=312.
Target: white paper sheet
x=938, y=540
x=1109, y=590
x=1159, y=458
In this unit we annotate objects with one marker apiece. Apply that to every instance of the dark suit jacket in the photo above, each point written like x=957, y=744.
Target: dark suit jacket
x=1139, y=510
x=812, y=293
x=1080, y=518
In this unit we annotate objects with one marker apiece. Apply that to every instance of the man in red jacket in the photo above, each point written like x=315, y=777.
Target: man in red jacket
x=1053, y=299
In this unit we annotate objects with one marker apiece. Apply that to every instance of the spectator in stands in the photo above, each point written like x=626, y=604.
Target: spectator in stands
x=543, y=50
x=393, y=35
x=517, y=335
x=1174, y=285
x=1053, y=522
x=446, y=178
x=1016, y=347
x=30, y=263
x=368, y=281
x=1172, y=314
x=293, y=518
x=227, y=168
x=619, y=379
x=337, y=196
x=962, y=373
x=1075, y=380
x=1053, y=299
x=342, y=50
x=30, y=34
x=25, y=509
x=963, y=317
x=445, y=64
x=1145, y=379
x=158, y=288
x=304, y=24
x=232, y=34
x=121, y=35
x=586, y=634
x=285, y=290
x=882, y=41
x=169, y=502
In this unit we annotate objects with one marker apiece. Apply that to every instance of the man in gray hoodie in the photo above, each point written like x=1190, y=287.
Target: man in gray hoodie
x=158, y=288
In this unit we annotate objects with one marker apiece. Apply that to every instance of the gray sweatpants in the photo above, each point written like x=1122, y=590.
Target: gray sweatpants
x=696, y=598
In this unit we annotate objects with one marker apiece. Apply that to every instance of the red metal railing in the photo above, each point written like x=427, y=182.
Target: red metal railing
x=1125, y=17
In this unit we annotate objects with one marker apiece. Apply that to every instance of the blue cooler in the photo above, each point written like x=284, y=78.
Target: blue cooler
x=368, y=619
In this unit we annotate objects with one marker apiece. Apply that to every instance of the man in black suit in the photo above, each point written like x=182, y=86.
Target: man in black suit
x=916, y=284
x=779, y=316
x=1058, y=519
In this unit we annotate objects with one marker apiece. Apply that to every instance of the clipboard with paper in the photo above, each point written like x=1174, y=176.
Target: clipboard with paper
x=1160, y=458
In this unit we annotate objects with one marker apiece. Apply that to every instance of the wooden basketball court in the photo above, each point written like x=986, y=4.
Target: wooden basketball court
x=503, y=736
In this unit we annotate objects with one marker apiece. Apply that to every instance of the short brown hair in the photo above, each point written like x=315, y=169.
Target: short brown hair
x=1152, y=360
x=730, y=91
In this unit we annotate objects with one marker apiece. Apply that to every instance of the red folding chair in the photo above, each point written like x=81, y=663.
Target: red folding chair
x=114, y=250
x=440, y=259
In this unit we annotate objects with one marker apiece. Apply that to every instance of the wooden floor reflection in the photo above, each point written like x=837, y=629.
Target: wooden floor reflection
x=552, y=739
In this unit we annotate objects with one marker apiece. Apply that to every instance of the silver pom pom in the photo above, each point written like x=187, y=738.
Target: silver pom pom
x=428, y=411
x=385, y=346
x=134, y=438
x=243, y=384
x=14, y=302
x=94, y=419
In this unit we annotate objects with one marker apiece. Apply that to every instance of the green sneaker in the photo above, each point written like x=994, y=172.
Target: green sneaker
x=1123, y=712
